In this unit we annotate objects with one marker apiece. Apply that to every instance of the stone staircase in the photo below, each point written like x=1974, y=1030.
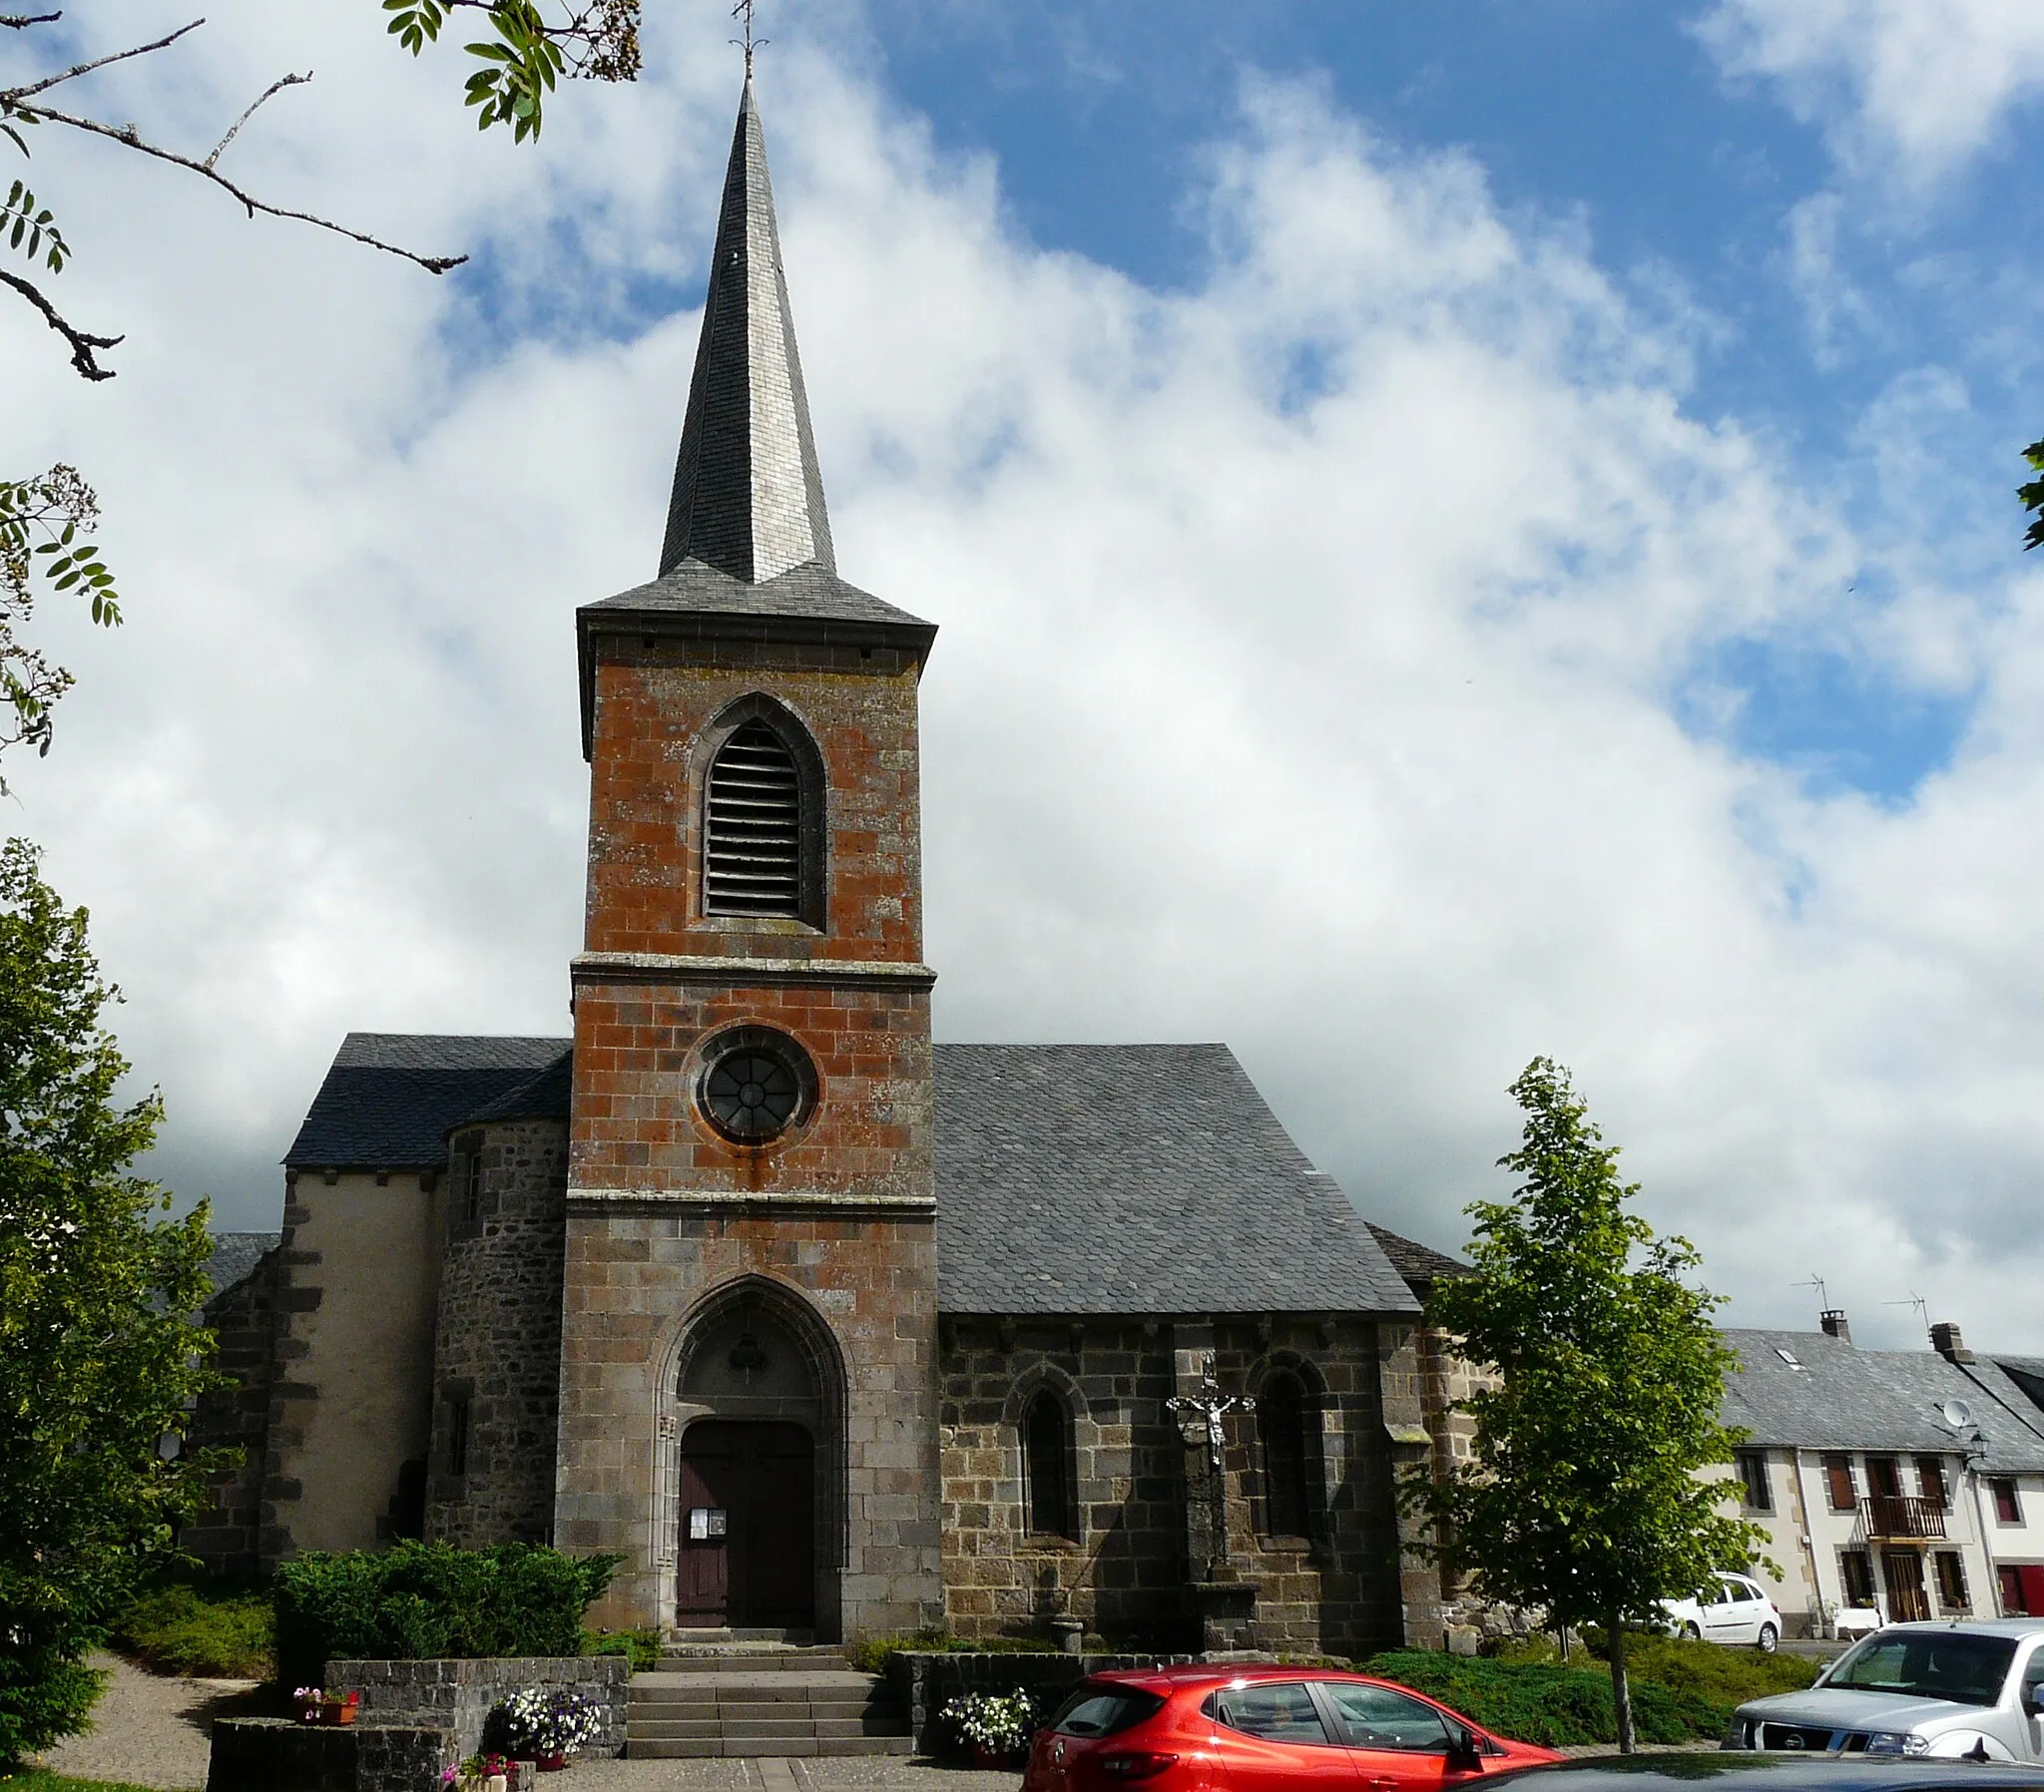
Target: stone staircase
x=737, y=1696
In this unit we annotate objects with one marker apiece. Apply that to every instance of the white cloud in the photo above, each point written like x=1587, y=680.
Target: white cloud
x=1907, y=87
x=1307, y=641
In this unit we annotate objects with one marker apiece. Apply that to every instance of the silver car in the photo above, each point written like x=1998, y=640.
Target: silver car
x=1960, y=1691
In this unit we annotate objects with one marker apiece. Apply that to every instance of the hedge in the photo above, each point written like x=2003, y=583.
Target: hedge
x=1549, y=1704
x=421, y=1601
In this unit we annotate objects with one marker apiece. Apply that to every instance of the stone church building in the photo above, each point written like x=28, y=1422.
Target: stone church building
x=822, y=1328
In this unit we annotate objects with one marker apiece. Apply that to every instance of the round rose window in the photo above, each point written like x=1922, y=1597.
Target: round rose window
x=755, y=1086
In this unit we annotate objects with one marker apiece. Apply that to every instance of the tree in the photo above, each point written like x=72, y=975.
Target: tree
x=1582, y=1495
x=98, y=1363
x=529, y=47
x=2032, y=494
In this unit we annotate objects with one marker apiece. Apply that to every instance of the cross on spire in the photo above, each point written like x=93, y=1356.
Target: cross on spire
x=743, y=12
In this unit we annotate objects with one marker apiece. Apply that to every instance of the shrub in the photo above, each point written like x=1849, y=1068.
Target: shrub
x=1725, y=1677
x=421, y=1601
x=643, y=1646
x=1549, y=1704
x=216, y=1633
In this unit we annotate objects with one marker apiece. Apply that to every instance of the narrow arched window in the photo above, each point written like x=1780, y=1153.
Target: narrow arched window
x=752, y=833
x=1047, y=1467
x=1280, y=1425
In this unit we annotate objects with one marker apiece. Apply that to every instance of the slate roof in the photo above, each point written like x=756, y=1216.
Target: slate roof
x=806, y=592
x=1836, y=1397
x=1076, y=1179
x=2027, y=1372
x=544, y=1097
x=390, y=1097
x=748, y=493
x=234, y=1255
x=1414, y=1261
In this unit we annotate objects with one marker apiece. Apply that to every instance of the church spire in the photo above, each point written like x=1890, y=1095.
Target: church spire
x=748, y=493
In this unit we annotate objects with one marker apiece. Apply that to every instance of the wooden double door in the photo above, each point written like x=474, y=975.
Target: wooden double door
x=747, y=1546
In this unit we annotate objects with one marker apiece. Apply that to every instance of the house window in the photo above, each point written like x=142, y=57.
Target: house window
x=457, y=1437
x=1753, y=1475
x=468, y=1179
x=1838, y=1481
x=1884, y=1476
x=1951, y=1580
x=1855, y=1575
x=2008, y=1509
x=752, y=827
x=1047, y=1467
x=1930, y=1476
x=2013, y=1603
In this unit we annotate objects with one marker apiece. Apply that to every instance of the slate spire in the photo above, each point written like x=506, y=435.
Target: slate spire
x=748, y=496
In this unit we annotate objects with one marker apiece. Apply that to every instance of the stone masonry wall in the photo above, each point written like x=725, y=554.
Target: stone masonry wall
x=1125, y=1576
x=226, y=1536
x=637, y=1276
x=498, y=1348
x=458, y=1696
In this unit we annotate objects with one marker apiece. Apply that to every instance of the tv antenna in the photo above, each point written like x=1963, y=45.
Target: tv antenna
x=743, y=12
x=1917, y=1302
x=1823, y=1300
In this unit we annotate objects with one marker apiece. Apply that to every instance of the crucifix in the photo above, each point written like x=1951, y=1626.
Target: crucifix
x=1204, y=1411
x=743, y=12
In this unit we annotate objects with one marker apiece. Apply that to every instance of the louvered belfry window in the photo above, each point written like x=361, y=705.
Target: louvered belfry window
x=753, y=840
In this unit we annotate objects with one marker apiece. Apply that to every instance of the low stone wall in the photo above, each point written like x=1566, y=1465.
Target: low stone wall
x=925, y=1681
x=279, y=1754
x=457, y=1696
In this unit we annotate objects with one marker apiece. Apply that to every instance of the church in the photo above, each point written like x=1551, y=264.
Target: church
x=825, y=1330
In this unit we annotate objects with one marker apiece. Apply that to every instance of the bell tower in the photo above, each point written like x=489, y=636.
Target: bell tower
x=750, y=1174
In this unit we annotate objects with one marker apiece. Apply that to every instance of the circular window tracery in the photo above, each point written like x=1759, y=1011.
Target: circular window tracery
x=756, y=1084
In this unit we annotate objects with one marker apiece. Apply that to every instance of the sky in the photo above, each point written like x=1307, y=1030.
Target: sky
x=1459, y=533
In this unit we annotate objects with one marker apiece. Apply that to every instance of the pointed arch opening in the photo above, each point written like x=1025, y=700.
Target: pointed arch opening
x=763, y=817
x=1049, y=1490
x=1292, y=1451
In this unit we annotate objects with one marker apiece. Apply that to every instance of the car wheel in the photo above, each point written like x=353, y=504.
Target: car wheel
x=1766, y=1639
x=1693, y=1633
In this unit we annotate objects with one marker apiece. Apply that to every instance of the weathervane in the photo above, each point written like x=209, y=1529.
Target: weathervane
x=742, y=11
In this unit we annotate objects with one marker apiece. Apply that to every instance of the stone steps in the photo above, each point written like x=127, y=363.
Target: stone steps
x=806, y=1704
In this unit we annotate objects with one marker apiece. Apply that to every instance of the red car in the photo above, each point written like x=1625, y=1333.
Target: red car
x=1260, y=1730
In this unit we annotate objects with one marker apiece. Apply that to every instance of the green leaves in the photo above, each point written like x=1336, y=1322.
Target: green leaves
x=99, y=1361
x=1583, y=1496
x=593, y=40
x=42, y=521
x=22, y=220
x=2032, y=494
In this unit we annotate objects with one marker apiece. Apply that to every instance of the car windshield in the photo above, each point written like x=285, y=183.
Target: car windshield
x=1104, y=1710
x=1946, y=1664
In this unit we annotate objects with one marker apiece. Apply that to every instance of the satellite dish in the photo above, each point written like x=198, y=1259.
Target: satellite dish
x=1957, y=1414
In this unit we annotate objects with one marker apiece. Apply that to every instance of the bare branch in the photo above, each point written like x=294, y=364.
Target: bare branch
x=133, y=138
x=98, y=62
x=21, y=21
x=82, y=344
x=277, y=85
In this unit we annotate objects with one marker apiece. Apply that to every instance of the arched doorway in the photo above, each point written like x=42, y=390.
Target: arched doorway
x=754, y=1505
x=748, y=1559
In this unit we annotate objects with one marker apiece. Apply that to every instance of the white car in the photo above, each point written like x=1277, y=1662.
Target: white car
x=1734, y=1609
x=1951, y=1690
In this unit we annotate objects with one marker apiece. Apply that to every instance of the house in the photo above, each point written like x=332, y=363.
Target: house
x=1908, y=1484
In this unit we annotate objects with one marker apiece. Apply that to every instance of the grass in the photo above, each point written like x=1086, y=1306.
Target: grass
x=870, y=1655
x=38, y=1779
x=214, y=1632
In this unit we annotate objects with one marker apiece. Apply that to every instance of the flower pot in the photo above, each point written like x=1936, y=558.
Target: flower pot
x=341, y=1713
x=497, y=1782
x=308, y=1714
x=552, y=1763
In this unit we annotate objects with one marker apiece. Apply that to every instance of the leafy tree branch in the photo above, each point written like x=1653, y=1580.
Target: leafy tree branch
x=2032, y=494
x=597, y=41
x=42, y=521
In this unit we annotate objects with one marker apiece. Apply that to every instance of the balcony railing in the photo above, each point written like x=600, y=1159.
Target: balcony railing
x=1902, y=1516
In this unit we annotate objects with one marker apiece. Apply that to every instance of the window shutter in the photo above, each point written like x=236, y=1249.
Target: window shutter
x=752, y=846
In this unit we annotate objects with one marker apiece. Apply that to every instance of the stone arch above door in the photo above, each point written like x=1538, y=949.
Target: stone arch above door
x=756, y=1350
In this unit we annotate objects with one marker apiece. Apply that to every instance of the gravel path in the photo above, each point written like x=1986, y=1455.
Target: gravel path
x=147, y=1729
